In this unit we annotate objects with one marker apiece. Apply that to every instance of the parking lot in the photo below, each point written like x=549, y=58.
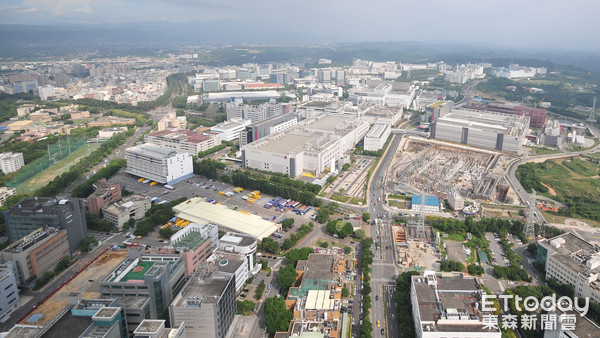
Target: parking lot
x=203, y=187
x=497, y=251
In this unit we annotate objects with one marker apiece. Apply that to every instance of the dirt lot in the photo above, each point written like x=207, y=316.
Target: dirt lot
x=418, y=255
x=455, y=251
x=99, y=269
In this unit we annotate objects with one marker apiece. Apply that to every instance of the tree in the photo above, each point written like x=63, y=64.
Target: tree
x=277, y=318
x=166, y=232
x=287, y=277
x=323, y=215
x=475, y=270
x=87, y=243
x=359, y=234
x=366, y=216
x=532, y=248
x=295, y=255
x=323, y=244
x=259, y=290
x=346, y=230
x=269, y=245
x=264, y=264
x=245, y=307
x=62, y=264
x=345, y=292
x=347, y=250
x=287, y=223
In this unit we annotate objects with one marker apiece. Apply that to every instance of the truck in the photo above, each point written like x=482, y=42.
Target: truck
x=221, y=193
x=238, y=189
x=162, y=202
x=141, y=180
x=154, y=183
x=250, y=200
x=145, y=181
x=170, y=187
x=154, y=199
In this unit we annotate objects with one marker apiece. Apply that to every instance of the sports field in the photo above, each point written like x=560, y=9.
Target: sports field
x=138, y=272
x=58, y=168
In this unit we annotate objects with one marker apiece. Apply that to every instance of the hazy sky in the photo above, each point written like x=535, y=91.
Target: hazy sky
x=554, y=24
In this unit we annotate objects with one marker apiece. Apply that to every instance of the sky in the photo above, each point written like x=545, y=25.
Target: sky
x=555, y=24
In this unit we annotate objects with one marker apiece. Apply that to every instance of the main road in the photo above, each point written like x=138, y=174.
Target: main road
x=384, y=270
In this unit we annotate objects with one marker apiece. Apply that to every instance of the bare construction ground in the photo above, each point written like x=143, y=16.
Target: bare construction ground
x=99, y=269
x=439, y=168
x=455, y=251
x=421, y=256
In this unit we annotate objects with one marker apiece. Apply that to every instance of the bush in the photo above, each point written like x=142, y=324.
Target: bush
x=245, y=307
x=475, y=270
x=451, y=266
x=259, y=290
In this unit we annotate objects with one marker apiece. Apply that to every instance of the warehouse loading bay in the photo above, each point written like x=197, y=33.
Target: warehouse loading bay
x=438, y=168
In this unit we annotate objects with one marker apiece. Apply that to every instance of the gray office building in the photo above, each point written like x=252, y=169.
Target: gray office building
x=158, y=277
x=206, y=305
x=33, y=213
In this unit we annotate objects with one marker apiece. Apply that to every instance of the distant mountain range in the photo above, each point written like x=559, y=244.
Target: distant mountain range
x=47, y=41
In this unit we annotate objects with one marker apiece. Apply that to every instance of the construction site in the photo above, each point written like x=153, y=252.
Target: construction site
x=82, y=283
x=442, y=169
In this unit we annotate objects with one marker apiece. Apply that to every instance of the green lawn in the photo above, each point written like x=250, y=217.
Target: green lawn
x=58, y=168
x=340, y=198
x=357, y=200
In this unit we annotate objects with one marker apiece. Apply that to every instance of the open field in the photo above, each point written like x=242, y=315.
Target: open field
x=81, y=284
x=58, y=168
x=573, y=182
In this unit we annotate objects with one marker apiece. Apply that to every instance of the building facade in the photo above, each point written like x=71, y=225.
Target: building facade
x=211, y=296
x=158, y=277
x=195, y=243
x=134, y=206
x=11, y=162
x=9, y=293
x=377, y=136
x=161, y=165
x=230, y=130
x=32, y=213
x=37, y=253
x=6, y=192
x=105, y=194
x=187, y=141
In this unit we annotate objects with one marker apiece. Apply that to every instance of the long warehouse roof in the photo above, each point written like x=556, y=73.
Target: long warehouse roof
x=199, y=211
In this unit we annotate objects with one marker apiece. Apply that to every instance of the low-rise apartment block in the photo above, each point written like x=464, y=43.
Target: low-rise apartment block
x=105, y=194
x=161, y=165
x=134, y=206
x=11, y=162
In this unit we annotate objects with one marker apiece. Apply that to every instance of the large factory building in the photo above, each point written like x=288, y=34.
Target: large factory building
x=496, y=131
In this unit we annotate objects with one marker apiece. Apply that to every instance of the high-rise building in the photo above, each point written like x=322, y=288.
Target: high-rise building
x=6, y=192
x=45, y=92
x=11, y=162
x=158, y=164
x=211, y=296
x=32, y=213
x=37, y=253
x=9, y=295
x=158, y=277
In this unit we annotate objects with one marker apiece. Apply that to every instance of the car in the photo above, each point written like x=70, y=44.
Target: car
x=246, y=290
x=376, y=297
x=243, y=295
x=382, y=331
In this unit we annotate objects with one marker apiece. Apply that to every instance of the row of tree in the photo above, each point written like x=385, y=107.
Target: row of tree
x=62, y=181
x=214, y=149
x=278, y=186
x=87, y=188
x=366, y=259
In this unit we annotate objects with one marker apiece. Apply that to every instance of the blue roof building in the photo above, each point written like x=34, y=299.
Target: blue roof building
x=432, y=204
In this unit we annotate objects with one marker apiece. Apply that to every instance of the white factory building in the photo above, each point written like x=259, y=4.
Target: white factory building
x=496, y=131
x=569, y=259
x=11, y=162
x=314, y=147
x=158, y=164
x=376, y=137
x=447, y=305
x=230, y=130
x=384, y=93
x=187, y=141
